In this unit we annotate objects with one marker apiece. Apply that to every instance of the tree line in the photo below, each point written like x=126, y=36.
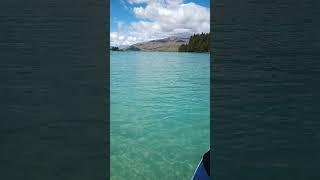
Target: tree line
x=197, y=43
x=114, y=48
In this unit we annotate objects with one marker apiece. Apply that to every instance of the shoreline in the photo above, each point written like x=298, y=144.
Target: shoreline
x=162, y=51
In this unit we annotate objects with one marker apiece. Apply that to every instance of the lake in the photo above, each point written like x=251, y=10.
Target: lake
x=266, y=90
x=159, y=114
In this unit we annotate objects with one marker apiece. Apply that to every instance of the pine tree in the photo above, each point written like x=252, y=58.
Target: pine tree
x=197, y=43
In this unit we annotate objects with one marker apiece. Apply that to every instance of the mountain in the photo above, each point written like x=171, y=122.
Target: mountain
x=166, y=44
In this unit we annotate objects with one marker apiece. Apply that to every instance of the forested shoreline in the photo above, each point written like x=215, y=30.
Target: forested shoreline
x=197, y=43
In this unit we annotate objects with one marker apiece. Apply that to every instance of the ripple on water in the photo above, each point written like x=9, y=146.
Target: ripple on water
x=159, y=114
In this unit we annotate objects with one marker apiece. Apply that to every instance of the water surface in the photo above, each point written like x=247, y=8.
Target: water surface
x=159, y=114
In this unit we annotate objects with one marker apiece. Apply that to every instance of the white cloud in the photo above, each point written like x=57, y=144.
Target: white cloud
x=124, y=4
x=119, y=25
x=137, y=1
x=160, y=19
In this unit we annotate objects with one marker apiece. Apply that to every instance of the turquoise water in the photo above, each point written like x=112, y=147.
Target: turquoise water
x=159, y=114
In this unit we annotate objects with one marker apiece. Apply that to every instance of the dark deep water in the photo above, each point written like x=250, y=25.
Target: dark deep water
x=266, y=90
x=53, y=74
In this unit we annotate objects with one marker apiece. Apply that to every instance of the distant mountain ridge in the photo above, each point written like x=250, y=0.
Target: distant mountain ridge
x=166, y=44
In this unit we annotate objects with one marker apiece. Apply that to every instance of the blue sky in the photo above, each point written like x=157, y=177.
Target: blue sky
x=133, y=21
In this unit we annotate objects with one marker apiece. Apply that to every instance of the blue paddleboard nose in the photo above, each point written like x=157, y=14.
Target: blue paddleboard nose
x=203, y=170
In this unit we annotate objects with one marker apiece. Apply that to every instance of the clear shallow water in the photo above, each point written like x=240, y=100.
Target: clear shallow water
x=159, y=114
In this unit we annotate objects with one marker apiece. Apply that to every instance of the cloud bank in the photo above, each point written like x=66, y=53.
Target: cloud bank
x=159, y=19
